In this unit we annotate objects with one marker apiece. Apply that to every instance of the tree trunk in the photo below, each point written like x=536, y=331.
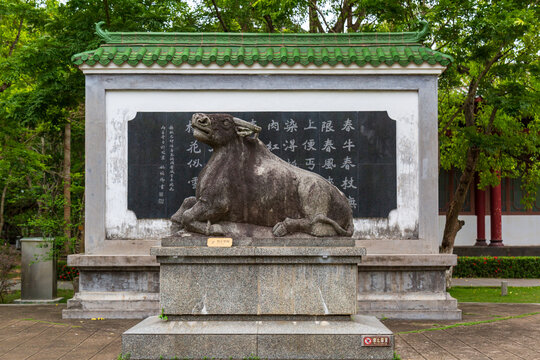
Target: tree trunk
x=3, y=203
x=453, y=224
x=67, y=185
x=313, y=26
x=107, y=16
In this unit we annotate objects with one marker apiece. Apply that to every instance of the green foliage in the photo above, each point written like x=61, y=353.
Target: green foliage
x=162, y=316
x=493, y=294
x=495, y=47
x=8, y=260
x=41, y=91
x=64, y=272
x=523, y=267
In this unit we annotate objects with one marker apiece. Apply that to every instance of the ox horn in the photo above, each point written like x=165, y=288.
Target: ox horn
x=245, y=128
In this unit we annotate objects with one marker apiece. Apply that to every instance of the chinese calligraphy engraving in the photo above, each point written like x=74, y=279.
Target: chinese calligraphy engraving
x=355, y=151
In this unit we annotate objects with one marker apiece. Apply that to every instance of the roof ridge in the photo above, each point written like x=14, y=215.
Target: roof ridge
x=261, y=39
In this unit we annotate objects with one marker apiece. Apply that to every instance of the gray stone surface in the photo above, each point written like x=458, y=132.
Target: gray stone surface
x=406, y=287
x=112, y=305
x=153, y=338
x=136, y=281
x=258, y=289
x=188, y=240
x=38, y=272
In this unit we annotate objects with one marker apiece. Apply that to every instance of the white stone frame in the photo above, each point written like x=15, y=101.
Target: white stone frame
x=101, y=81
x=122, y=106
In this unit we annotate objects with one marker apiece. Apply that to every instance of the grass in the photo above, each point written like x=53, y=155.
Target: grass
x=493, y=294
x=467, y=323
x=14, y=295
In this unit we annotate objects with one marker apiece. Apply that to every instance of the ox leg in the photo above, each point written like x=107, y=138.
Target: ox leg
x=289, y=226
x=199, y=219
x=186, y=205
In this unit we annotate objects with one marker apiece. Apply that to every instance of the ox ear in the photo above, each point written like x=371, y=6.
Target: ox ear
x=246, y=130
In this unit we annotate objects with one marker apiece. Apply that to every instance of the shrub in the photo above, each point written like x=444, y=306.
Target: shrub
x=8, y=260
x=527, y=267
x=66, y=273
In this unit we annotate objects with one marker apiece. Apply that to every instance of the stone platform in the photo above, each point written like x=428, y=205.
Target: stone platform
x=154, y=338
x=272, y=298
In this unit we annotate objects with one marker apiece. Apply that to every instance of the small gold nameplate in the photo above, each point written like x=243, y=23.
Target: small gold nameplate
x=219, y=242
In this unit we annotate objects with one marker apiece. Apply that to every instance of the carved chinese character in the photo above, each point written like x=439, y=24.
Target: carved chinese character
x=310, y=163
x=330, y=180
x=309, y=145
x=273, y=125
x=347, y=163
x=272, y=147
x=195, y=163
x=348, y=183
x=291, y=126
x=310, y=125
x=352, y=202
x=193, y=182
x=194, y=148
x=327, y=126
x=347, y=125
x=328, y=145
x=293, y=162
x=290, y=145
x=328, y=164
x=189, y=129
x=348, y=145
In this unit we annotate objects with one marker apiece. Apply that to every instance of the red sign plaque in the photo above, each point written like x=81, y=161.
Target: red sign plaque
x=376, y=340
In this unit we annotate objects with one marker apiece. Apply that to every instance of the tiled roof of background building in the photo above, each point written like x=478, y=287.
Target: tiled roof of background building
x=257, y=48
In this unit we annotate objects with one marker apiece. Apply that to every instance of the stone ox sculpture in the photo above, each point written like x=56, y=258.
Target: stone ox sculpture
x=246, y=183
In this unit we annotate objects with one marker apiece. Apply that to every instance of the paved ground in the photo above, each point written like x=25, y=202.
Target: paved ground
x=38, y=332
x=495, y=282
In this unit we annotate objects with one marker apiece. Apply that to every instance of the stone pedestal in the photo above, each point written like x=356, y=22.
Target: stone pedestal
x=38, y=272
x=272, y=298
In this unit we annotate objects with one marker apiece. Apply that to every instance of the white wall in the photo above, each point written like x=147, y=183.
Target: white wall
x=402, y=106
x=516, y=230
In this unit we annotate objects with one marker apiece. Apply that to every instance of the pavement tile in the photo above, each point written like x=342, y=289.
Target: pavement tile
x=426, y=347
x=28, y=334
x=33, y=346
x=454, y=346
x=47, y=336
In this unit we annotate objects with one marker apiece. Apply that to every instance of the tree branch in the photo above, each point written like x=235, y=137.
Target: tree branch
x=14, y=43
x=268, y=21
x=218, y=14
x=491, y=119
x=322, y=15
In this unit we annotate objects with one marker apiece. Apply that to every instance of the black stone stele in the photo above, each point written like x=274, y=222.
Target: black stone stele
x=164, y=159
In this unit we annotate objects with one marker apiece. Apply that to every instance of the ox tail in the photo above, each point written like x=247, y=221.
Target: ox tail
x=339, y=230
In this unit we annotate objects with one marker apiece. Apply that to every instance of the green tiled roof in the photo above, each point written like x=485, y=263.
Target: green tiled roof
x=254, y=48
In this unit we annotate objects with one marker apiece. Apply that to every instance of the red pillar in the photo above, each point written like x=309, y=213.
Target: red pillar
x=480, y=211
x=496, y=216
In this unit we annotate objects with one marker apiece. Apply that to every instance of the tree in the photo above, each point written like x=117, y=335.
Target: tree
x=489, y=99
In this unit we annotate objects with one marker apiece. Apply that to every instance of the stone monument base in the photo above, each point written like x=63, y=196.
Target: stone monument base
x=287, y=298
x=154, y=338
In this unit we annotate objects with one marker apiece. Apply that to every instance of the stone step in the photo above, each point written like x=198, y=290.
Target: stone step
x=154, y=338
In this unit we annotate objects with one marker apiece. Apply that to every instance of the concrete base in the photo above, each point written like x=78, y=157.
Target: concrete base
x=154, y=338
x=116, y=283
x=38, y=301
x=406, y=287
x=112, y=305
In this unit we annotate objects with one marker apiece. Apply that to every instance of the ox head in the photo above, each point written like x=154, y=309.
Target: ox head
x=220, y=129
